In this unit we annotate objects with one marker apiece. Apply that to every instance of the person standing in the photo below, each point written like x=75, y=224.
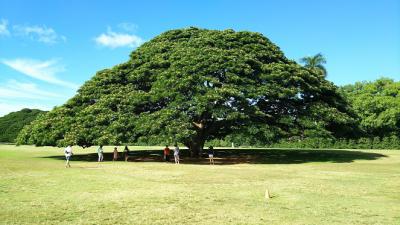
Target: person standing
x=166, y=153
x=126, y=153
x=211, y=155
x=68, y=153
x=115, y=154
x=100, y=153
x=176, y=154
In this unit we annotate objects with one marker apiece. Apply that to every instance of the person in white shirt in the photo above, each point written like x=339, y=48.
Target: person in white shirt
x=176, y=154
x=68, y=153
x=100, y=153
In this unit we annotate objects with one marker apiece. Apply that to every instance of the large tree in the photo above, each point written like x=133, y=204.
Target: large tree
x=189, y=86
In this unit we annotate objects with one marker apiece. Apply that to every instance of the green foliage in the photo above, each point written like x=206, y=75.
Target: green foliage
x=12, y=123
x=377, y=104
x=392, y=142
x=193, y=85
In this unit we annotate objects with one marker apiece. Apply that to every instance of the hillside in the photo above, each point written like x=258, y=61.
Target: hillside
x=12, y=123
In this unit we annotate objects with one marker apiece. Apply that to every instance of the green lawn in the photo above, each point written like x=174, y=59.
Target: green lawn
x=307, y=187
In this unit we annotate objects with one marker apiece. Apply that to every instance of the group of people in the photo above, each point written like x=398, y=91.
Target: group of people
x=176, y=154
x=100, y=152
x=167, y=153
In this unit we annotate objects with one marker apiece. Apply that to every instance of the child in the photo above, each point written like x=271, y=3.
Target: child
x=211, y=155
x=115, y=155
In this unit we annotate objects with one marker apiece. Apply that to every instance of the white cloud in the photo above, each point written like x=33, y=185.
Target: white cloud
x=41, y=70
x=39, y=33
x=3, y=27
x=14, y=89
x=114, y=40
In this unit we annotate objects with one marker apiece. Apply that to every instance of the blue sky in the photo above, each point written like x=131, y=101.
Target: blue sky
x=49, y=48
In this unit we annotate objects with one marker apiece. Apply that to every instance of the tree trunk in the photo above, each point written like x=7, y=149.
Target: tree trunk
x=196, y=146
x=196, y=143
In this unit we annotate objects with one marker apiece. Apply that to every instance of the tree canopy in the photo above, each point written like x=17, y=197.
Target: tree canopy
x=12, y=123
x=377, y=104
x=192, y=85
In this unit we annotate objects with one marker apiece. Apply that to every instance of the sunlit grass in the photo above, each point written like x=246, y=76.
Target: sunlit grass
x=35, y=188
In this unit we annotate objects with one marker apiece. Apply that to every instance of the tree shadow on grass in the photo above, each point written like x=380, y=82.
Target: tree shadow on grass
x=238, y=156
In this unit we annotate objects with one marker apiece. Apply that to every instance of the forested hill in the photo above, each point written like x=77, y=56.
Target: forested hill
x=12, y=123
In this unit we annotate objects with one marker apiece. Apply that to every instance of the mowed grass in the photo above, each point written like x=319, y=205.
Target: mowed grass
x=307, y=187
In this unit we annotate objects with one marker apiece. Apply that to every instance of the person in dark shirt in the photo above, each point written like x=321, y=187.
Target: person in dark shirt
x=211, y=155
x=126, y=153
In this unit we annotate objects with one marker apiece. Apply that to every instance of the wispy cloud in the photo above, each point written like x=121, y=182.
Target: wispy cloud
x=15, y=89
x=42, y=34
x=130, y=27
x=113, y=39
x=41, y=70
x=3, y=28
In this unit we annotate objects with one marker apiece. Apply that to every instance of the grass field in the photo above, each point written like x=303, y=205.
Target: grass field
x=307, y=187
